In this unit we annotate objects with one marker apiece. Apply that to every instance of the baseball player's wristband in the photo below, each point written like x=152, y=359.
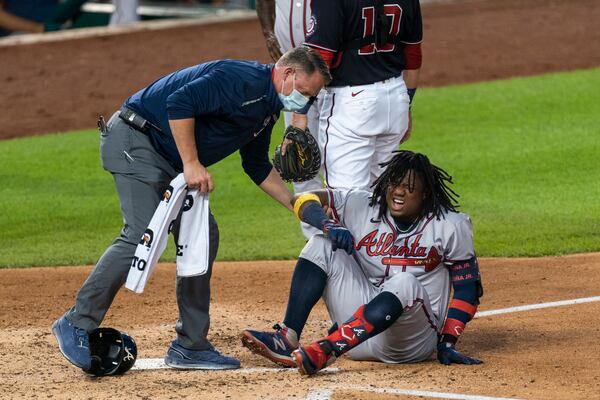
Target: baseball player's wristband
x=453, y=327
x=411, y=94
x=303, y=199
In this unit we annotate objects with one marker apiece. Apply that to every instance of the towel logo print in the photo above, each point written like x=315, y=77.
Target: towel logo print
x=168, y=194
x=188, y=203
x=147, y=238
x=138, y=263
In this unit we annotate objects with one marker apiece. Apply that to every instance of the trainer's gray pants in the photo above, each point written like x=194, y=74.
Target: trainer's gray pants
x=141, y=175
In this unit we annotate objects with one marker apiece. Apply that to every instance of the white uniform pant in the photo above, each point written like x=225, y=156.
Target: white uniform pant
x=314, y=184
x=360, y=126
x=125, y=12
x=411, y=338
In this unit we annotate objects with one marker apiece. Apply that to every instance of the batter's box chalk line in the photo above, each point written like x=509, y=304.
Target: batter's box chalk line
x=537, y=306
x=159, y=363
x=325, y=394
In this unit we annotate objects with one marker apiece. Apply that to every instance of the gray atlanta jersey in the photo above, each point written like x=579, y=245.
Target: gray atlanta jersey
x=424, y=250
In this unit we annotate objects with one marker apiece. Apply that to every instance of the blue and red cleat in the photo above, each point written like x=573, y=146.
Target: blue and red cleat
x=272, y=345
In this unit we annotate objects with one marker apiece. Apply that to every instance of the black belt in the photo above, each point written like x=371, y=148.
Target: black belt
x=136, y=121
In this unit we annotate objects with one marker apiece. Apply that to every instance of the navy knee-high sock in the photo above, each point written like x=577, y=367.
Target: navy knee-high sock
x=308, y=283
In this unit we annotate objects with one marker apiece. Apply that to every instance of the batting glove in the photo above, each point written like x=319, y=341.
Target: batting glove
x=340, y=237
x=447, y=354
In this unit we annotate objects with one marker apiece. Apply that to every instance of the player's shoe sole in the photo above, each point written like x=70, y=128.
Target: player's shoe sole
x=304, y=365
x=258, y=347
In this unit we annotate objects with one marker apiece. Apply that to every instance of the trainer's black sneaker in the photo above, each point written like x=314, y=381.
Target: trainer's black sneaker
x=272, y=345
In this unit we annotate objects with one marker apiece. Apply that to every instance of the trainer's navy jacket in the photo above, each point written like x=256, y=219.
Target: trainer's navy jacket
x=235, y=106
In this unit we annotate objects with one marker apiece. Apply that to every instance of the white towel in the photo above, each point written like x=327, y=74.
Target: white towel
x=194, y=227
x=192, y=248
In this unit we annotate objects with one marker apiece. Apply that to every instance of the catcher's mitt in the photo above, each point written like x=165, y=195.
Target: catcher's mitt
x=302, y=159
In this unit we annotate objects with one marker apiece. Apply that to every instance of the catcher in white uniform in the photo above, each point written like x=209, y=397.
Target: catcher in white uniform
x=284, y=25
x=385, y=265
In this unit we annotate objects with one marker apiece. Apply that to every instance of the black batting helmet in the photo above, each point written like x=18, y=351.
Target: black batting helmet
x=113, y=352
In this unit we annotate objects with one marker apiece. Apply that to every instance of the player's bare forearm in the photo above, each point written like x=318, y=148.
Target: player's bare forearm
x=411, y=78
x=265, y=9
x=276, y=188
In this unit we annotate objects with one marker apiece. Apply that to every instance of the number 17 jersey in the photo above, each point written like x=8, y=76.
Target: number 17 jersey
x=335, y=24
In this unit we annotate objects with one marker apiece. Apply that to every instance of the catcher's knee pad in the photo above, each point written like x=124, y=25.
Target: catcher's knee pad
x=113, y=352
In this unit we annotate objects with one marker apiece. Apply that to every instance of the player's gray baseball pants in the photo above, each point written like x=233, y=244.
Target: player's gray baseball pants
x=411, y=338
x=141, y=175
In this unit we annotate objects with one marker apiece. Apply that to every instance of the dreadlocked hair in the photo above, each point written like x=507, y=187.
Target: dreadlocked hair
x=439, y=196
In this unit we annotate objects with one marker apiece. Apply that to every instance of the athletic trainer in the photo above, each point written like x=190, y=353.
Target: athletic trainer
x=185, y=122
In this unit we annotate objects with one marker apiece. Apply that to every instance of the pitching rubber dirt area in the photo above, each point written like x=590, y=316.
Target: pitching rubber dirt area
x=535, y=353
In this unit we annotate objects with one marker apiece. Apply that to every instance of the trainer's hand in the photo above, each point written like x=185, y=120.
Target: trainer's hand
x=340, y=237
x=447, y=354
x=284, y=145
x=197, y=176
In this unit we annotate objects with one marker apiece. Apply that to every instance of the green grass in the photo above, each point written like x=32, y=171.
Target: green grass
x=523, y=153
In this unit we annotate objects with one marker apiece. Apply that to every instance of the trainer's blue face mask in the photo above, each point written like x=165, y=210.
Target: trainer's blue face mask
x=294, y=101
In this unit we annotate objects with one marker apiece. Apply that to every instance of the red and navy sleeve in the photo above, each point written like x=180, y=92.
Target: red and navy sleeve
x=412, y=36
x=466, y=284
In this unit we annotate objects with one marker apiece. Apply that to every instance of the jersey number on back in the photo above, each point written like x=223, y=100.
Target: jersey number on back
x=368, y=16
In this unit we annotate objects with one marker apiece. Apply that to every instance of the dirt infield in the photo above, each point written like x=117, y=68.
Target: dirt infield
x=549, y=353
x=539, y=354
x=54, y=87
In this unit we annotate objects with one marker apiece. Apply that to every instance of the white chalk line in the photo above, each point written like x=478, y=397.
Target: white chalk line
x=159, y=363
x=325, y=394
x=537, y=306
x=319, y=394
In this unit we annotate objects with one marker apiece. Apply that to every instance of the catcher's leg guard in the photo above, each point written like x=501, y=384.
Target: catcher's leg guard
x=322, y=353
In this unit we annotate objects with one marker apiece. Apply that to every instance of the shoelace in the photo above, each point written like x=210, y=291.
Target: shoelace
x=82, y=336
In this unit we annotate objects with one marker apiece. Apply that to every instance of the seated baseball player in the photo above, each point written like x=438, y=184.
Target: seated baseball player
x=384, y=265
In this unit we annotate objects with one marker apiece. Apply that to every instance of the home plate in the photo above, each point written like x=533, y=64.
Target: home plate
x=159, y=363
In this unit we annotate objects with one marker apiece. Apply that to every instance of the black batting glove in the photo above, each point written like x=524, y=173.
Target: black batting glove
x=447, y=354
x=340, y=237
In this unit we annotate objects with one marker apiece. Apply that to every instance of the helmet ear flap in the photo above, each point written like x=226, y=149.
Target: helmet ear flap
x=113, y=352
x=129, y=354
